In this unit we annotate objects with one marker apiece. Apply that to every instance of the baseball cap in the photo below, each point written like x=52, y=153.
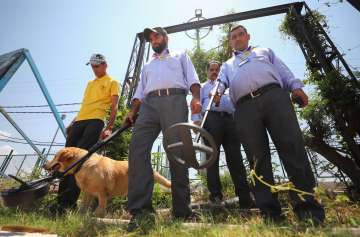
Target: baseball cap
x=159, y=30
x=96, y=59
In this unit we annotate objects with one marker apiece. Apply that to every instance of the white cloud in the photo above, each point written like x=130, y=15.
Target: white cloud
x=5, y=150
x=4, y=134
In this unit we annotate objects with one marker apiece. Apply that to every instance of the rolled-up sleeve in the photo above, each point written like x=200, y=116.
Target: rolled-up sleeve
x=287, y=77
x=139, y=93
x=223, y=78
x=190, y=74
x=202, y=94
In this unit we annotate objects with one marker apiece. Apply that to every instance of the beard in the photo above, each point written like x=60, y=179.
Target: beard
x=158, y=49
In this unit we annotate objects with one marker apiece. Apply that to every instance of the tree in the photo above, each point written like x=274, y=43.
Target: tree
x=333, y=114
x=118, y=148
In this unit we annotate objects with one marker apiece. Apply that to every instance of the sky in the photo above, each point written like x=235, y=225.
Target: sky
x=62, y=35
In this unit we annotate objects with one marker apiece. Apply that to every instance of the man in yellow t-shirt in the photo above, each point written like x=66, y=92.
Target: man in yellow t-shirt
x=85, y=130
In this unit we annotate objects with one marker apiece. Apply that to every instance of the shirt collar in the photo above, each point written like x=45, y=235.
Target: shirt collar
x=161, y=55
x=241, y=52
x=100, y=78
x=211, y=82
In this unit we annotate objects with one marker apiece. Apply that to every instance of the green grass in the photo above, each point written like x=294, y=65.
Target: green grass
x=340, y=213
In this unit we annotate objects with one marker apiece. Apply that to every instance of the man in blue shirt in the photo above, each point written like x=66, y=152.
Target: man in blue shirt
x=221, y=125
x=160, y=99
x=260, y=84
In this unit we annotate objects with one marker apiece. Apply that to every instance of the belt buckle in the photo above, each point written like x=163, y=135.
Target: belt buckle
x=254, y=95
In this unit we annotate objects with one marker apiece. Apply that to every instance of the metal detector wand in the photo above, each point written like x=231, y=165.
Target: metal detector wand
x=197, y=138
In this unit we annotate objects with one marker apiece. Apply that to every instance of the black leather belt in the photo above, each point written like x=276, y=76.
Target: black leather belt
x=221, y=113
x=258, y=92
x=167, y=92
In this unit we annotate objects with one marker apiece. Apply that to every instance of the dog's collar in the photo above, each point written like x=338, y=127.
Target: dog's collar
x=80, y=165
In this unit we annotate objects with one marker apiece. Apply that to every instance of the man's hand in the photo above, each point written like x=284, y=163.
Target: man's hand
x=106, y=132
x=129, y=118
x=195, y=105
x=217, y=98
x=298, y=96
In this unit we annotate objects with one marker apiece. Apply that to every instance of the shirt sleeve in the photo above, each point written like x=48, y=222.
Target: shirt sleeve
x=190, y=74
x=114, y=90
x=139, y=93
x=223, y=78
x=203, y=94
x=287, y=77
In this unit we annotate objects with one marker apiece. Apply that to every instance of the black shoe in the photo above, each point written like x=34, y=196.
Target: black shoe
x=193, y=216
x=142, y=221
x=246, y=203
x=270, y=219
x=310, y=212
x=216, y=200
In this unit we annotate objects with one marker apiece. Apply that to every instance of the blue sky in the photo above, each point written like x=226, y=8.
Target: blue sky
x=61, y=36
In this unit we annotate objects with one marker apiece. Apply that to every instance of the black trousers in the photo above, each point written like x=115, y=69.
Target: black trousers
x=83, y=134
x=157, y=114
x=223, y=129
x=272, y=113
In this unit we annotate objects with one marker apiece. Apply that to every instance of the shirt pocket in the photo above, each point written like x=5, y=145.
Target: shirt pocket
x=260, y=58
x=174, y=64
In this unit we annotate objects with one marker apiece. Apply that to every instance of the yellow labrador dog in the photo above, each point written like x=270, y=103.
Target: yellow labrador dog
x=99, y=176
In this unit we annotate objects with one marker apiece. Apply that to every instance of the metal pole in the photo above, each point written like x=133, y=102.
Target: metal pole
x=6, y=163
x=28, y=140
x=17, y=173
x=197, y=138
x=45, y=91
x=198, y=39
x=63, y=116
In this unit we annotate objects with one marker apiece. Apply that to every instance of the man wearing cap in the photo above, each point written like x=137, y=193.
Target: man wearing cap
x=85, y=130
x=221, y=125
x=160, y=99
x=260, y=86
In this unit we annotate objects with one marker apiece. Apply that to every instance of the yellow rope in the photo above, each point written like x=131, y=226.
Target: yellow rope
x=289, y=186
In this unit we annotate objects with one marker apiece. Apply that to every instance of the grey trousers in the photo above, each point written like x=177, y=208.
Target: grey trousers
x=223, y=129
x=273, y=113
x=156, y=114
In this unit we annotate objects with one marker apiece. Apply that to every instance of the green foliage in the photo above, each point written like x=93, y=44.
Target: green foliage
x=333, y=114
x=290, y=29
x=161, y=199
x=118, y=148
x=200, y=59
x=227, y=185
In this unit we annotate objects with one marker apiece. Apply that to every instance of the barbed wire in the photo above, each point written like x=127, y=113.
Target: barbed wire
x=41, y=112
x=38, y=144
x=22, y=139
x=35, y=106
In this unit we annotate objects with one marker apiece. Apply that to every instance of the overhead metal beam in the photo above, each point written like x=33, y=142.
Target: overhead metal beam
x=45, y=91
x=262, y=12
x=355, y=4
x=6, y=78
x=268, y=11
